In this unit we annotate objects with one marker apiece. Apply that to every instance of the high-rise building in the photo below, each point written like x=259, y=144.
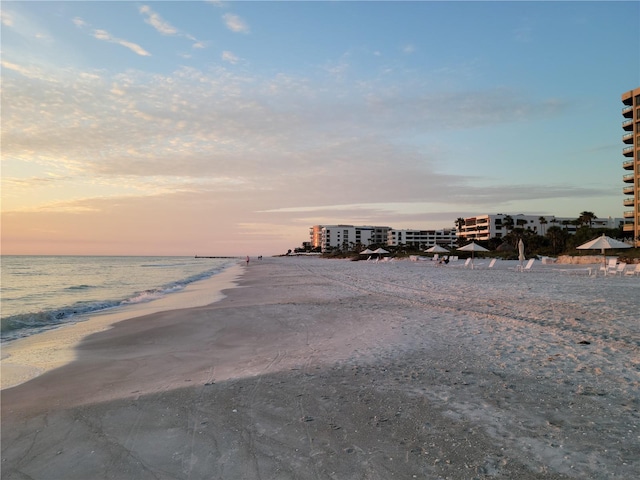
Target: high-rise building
x=631, y=163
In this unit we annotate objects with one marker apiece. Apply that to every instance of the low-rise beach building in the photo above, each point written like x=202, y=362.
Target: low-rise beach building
x=346, y=237
x=631, y=163
x=422, y=238
x=486, y=226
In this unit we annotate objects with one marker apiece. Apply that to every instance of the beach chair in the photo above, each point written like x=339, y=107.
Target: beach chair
x=527, y=267
x=633, y=271
x=610, y=267
x=619, y=269
x=492, y=262
x=467, y=263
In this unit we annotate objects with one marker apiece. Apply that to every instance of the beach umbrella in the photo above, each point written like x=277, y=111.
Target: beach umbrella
x=472, y=247
x=521, y=256
x=437, y=249
x=380, y=251
x=367, y=251
x=603, y=243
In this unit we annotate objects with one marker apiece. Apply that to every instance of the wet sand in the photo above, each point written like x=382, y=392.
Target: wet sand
x=314, y=369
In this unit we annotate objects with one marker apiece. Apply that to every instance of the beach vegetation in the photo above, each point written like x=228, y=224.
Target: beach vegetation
x=586, y=218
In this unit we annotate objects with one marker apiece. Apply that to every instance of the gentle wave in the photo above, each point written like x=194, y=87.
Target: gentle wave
x=26, y=324
x=22, y=325
x=161, y=265
x=79, y=287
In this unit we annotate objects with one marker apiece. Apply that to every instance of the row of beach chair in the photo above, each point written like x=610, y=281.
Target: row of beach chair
x=615, y=268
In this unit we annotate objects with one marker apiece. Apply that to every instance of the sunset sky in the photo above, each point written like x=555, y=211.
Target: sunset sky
x=230, y=128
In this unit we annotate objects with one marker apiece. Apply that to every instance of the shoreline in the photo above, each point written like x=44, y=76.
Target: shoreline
x=317, y=369
x=27, y=358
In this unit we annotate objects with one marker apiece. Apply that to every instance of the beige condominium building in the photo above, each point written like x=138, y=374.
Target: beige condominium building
x=631, y=163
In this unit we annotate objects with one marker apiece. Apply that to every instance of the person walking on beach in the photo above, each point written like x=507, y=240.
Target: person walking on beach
x=247, y=260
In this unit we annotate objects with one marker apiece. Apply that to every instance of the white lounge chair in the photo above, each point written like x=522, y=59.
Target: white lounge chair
x=527, y=267
x=633, y=271
x=610, y=267
x=619, y=269
x=492, y=262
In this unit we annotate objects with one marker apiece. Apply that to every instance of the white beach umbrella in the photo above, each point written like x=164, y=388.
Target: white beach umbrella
x=472, y=247
x=603, y=243
x=366, y=251
x=380, y=251
x=437, y=249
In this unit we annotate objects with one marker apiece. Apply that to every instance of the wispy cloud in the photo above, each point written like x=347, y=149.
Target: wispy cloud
x=230, y=57
x=6, y=18
x=408, y=49
x=106, y=36
x=235, y=23
x=163, y=27
x=27, y=71
x=153, y=19
x=79, y=22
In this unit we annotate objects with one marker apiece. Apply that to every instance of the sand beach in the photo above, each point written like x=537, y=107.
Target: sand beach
x=331, y=369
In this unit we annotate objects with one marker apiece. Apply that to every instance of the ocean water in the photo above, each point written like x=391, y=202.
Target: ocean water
x=38, y=293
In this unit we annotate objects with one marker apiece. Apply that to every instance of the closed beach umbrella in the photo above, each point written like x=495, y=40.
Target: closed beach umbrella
x=437, y=249
x=521, y=256
x=472, y=247
x=603, y=243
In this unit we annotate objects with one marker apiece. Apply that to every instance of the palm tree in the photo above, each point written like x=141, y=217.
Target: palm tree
x=586, y=218
x=459, y=223
x=507, y=221
x=556, y=235
x=543, y=222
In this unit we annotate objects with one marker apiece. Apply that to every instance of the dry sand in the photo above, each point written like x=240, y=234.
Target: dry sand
x=330, y=369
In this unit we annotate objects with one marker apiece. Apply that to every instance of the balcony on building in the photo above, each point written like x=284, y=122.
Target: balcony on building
x=628, y=190
x=628, y=164
x=628, y=178
x=629, y=202
x=627, y=138
x=627, y=125
x=628, y=214
x=627, y=151
x=627, y=111
x=628, y=227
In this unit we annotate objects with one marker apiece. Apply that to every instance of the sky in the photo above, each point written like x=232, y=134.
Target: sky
x=230, y=128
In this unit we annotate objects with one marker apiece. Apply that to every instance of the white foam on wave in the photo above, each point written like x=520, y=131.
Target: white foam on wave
x=26, y=358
